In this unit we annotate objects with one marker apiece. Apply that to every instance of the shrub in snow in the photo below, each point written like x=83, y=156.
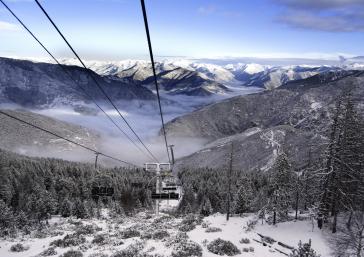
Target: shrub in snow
x=75, y=222
x=18, y=248
x=69, y=240
x=49, y=252
x=40, y=234
x=178, y=238
x=156, y=235
x=244, y=241
x=99, y=239
x=187, y=227
x=56, y=233
x=72, y=253
x=213, y=229
x=205, y=242
x=162, y=219
x=205, y=224
x=160, y=234
x=117, y=243
x=304, y=250
x=129, y=233
x=187, y=248
x=189, y=223
x=221, y=247
x=98, y=255
x=250, y=225
x=248, y=249
x=87, y=229
x=132, y=250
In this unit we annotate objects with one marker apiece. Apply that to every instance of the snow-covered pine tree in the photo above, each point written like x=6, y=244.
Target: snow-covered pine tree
x=79, y=209
x=188, y=201
x=344, y=162
x=304, y=250
x=244, y=196
x=280, y=187
x=6, y=218
x=328, y=179
x=66, y=208
x=206, y=208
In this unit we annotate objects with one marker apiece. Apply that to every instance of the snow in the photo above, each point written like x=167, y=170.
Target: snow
x=289, y=233
x=234, y=230
x=315, y=106
x=254, y=68
x=292, y=232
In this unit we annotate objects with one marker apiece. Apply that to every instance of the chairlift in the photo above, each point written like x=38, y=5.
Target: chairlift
x=158, y=167
x=102, y=191
x=165, y=196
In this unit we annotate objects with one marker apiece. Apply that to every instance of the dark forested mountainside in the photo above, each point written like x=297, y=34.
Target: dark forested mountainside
x=41, y=85
x=18, y=137
x=307, y=107
x=296, y=118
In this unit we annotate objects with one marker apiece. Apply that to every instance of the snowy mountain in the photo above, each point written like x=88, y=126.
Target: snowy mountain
x=272, y=77
x=242, y=74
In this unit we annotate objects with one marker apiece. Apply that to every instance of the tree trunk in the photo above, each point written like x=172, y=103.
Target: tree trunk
x=274, y=217
x=229, y=182
x=360, y=243
x=297, y=198
x=348, y=223
x=334, y=213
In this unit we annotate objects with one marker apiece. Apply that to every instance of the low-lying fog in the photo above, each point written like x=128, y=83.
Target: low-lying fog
x=144, y=117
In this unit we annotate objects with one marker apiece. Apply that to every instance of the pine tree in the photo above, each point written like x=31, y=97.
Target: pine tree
x=206, y=208
x=304, y=250
x=280, y=188
x=79, y=209
x=21, y=219
x=344, y=162
x=66, y=208
x=188, y=201
x=89, y=206
x=6, y=218
x=244, y=196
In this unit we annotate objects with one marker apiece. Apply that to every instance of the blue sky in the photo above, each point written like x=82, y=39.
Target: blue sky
x=113, y=29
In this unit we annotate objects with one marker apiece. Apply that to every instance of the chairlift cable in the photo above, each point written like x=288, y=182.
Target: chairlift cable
x=70, y=75
x=66, y=139
x=154, y=73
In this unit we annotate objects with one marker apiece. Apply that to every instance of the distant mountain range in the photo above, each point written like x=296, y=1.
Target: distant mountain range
x=43, y=85
x=242, y=74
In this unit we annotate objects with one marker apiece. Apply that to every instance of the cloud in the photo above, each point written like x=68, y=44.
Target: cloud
x=210, y=9
x=214, y=10
x=311, y=21
x=323, y=15
x=320, y=4
x=6, y=26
